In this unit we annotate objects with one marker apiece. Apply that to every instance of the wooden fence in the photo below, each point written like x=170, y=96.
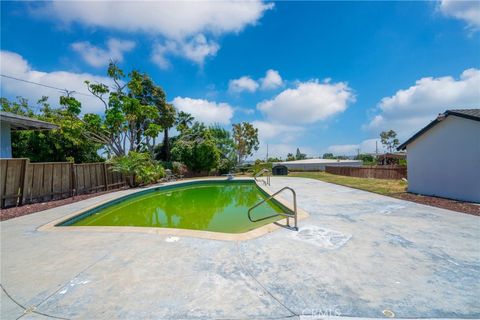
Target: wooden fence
x=24, y=182
x=377, y=172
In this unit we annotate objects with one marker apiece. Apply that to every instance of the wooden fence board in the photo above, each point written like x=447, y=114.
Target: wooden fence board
x=3, y=181
x=28, y=184
x=80, y=179
x=37, y=181
x=47, y=181
x=25, y=182
x=65, y=182
x=376, y=172
x=57, y=181
x=12, y=175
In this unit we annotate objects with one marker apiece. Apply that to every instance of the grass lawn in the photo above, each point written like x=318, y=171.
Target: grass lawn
x=385, y=187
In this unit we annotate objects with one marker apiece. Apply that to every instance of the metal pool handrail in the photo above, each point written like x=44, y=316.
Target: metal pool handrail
x=287, y=215
x=260, y=173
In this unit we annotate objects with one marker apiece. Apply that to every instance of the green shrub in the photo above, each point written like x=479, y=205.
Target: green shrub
x=199, y=155
x=179, y=168
x=259, y=166
x=225, y=166
x=139, y=168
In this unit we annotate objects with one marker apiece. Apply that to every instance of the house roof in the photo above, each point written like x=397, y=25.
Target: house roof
x=18, y=122
x=472, y=114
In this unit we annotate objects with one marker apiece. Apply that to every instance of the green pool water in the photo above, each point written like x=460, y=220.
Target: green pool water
x=211, y=206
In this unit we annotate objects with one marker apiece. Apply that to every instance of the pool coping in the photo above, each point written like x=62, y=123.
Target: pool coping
x=52, y=226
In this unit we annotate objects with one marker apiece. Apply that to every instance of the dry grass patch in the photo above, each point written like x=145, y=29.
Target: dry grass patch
x=381, y=186
x=392, y=188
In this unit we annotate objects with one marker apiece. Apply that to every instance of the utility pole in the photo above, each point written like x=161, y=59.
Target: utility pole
x=376, y=148
x=266, y=160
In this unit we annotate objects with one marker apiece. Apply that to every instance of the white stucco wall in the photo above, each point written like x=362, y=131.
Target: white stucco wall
x=5, y=141
x=445, y=160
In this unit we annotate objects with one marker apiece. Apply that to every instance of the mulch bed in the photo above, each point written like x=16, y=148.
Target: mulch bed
x=13, y=212
x=454, y=205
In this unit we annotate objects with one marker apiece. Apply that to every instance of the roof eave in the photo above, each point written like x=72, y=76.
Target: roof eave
x=18, y=123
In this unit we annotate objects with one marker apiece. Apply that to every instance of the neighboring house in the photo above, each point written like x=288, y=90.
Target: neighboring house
x=14, y=122
x=318, y=164
x=444, y=157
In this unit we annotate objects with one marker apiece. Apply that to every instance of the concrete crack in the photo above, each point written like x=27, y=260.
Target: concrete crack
x=30, y=309
x=62, y=286
x=244, y=267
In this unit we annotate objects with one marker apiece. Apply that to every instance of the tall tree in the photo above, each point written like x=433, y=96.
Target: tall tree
x=184, y=121
x=167, y=120
x=389, y=140
x=133, y=111
x=225, y=146
x=196, y=149
x=328, y=155
x=299, y=155
x=144, y=89
x=245, y=137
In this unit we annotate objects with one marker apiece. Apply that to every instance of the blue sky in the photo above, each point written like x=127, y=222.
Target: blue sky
x=322, y=76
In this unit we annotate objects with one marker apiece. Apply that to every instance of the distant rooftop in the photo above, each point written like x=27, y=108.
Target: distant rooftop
x=317, y=160
x=18, y=122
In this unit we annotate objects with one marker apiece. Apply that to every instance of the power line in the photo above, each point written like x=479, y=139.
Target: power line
x=48, y=86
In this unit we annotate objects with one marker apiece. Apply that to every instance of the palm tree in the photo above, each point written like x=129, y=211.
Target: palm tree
x=184, y=120
x=167, y=120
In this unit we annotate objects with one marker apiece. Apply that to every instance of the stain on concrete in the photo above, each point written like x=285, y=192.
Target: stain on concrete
x=321, y=237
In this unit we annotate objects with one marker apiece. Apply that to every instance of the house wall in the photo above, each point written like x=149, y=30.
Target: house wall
x=5, y=141
x=445, y=160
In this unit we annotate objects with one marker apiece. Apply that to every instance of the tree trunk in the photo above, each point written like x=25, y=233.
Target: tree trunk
x=166, y=146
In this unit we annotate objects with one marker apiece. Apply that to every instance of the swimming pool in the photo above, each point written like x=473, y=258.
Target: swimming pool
x=219, y=206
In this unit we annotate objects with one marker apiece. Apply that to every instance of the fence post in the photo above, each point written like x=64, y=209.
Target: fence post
x=105, y=176
x=21, y=186
x=73, y=180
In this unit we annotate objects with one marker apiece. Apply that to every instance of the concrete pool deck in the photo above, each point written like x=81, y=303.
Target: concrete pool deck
x=359, y=254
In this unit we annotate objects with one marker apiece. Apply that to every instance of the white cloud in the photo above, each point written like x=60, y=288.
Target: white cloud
x=272, y=80
x=244, y=83
x=12, y=64
x=273, y=131
x=99, y=57
x=174, y=21
x=196, y=49
x=280, y=138
x=408, y=110
x=468, y=11
x=205, y=111
x=309, y=102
